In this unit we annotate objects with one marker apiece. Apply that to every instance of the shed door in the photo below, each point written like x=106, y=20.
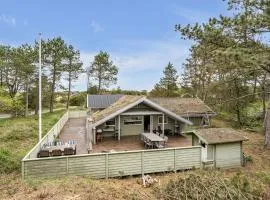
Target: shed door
x=228, y=155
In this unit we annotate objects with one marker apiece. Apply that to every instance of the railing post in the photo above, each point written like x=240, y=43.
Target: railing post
x=23, y=170
x=174, y=160
x=142, y=162
x=107, y=166
x=67, y=165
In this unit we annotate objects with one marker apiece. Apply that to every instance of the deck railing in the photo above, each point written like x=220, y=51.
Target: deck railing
x=54, y=132
x=104, y=165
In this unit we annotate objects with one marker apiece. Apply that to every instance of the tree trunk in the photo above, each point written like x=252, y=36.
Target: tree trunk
x=267, y=128
x=99, y=85
x=263, y=95
x=52, y=92
x=238, y=111
x=69, y=89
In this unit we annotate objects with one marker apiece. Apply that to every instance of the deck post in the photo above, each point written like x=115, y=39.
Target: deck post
x=23, y=170
x=174, y=160
x=119, y=125
x=94, y=134
x=107, y=166
x=163, y=125
x=142, y=162
x=67, y=166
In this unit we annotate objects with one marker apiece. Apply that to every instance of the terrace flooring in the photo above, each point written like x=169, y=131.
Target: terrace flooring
x=129, y=143
x=75, y=129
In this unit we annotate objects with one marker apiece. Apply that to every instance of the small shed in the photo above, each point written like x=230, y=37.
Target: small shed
x=221, y=147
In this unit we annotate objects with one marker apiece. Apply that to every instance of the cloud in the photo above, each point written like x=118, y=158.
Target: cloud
x=9, y=20
x=96, y=27
x=141, y=67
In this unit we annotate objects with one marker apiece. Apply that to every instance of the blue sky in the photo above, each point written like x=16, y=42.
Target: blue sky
x=139, y=35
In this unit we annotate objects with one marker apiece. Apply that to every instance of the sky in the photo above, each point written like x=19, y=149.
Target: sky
x=138, y=34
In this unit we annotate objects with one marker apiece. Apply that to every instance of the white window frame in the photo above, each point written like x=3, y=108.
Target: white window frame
x=165, y=119
x=128, y=118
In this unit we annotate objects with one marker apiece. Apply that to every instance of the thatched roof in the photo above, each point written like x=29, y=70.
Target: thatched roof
x=118, y=105
x=185, y=107
x=219, y=135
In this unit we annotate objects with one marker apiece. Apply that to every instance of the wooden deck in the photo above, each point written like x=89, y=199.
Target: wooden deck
x=129, y=143
x=75, y=129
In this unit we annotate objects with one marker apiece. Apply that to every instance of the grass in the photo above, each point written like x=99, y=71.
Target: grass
x=19, y=135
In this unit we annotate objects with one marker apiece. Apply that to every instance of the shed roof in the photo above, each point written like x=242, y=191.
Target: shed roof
x=186, y=107
x=219, y=135
x=102, y=101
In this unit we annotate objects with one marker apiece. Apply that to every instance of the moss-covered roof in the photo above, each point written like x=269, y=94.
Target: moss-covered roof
x=118, y=105
x=185, y=107
x=219, y=135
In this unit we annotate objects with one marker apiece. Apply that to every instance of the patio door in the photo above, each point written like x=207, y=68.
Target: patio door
x=146, y=123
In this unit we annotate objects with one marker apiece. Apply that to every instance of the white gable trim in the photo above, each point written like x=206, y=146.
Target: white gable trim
x=118, y=112
x=148, y=102
x=166, y=111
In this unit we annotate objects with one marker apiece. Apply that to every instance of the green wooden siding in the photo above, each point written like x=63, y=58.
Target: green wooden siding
x=228, y=155
x=104, y=165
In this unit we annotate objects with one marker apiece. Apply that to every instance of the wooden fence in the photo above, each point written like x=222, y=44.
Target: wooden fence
x=54, y=132
x=104, y=165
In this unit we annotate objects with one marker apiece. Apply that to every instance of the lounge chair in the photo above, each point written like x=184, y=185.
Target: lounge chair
x=43, y=153
x=56, y=152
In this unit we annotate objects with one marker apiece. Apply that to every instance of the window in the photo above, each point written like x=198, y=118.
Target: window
x=160, y=119
x=136, y=120
x=110, y=122
x=210, y=152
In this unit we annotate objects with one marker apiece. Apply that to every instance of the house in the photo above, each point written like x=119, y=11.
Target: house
x=192, y=109
x=222, y=146
x=133, y=115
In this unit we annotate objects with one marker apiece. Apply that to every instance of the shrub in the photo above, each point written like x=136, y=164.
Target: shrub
x=209, y=185
x=77, y=100
x=8, y=162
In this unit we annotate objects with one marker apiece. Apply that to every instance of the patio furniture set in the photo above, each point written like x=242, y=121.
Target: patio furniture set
x=154, y=141
x=57, y=149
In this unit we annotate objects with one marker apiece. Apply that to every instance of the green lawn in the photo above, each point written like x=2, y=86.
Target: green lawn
x=19, y=135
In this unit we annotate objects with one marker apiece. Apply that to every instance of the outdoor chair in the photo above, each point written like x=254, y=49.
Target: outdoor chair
x=71, y=142
x=166, y=141
x=43, y=153
x=159, y=131
x=56, y=152
x=158, y=145
x=148, y=144
x=69, y=151
x=99, y=137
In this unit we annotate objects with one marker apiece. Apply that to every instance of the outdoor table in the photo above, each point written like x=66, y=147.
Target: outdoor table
x=154, y=138
x=61, y=147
